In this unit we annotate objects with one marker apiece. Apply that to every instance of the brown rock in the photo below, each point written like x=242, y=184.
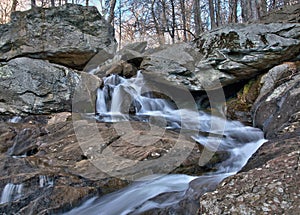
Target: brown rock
x=273, y=188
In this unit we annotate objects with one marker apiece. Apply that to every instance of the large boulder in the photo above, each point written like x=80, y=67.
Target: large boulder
x=124, y=63
x=174, y=63
x=239, y=52
x=277, y=108
x=225, y=56
x=30, y=86
x=69, y=35
x=272, y=188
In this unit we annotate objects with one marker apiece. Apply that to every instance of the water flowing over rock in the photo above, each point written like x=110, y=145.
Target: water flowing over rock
x=146, y=121
x=226, y=55
x=269, y=181
x=30, y=86
x=69, y=35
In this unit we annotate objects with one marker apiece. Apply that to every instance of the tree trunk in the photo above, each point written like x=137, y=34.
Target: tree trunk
x=197, y=17
x=164, y=17
x=183, y=15
x=14, y=5
x=159, y=32
x=120, y=24
x=232, y=11
x=253, y=10
x=111, y=16
x=173, y=27
x=261, y=7
x=33, y=3
x=218, y=11
x=212, y=14
x=87, y=3
x=52, y=3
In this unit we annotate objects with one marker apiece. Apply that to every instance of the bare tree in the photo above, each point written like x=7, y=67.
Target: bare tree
x=112, y=4
x=159, y=30
x=232, y=11
x=261, y=6
x=197, y=17
x=14, y=5
x=183, y=15
x=218, y=11
x=213, y=23
x=173, y=25
x=33, y=3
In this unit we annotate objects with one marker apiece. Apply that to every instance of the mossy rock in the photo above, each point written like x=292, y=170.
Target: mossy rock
x=238, y=108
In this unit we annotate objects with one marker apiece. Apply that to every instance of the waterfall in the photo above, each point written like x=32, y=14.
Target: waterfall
x=45, y=181
x=15, y=119
x=123, y=98
x=11, y=192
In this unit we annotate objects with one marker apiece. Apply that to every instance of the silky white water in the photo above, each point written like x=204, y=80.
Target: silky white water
x=220, y=135
x=11, y=192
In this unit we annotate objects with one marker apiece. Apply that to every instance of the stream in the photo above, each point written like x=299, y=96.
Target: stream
x=131, y=99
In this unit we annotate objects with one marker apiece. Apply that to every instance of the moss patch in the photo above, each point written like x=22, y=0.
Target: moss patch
x=244, y=99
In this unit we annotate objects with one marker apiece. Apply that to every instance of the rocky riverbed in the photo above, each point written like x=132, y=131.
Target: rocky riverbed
x=47, y=168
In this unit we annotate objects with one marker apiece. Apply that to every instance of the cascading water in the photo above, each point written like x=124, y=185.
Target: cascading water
x=45, y=181
x=120, y=98
x=11, y=192
x=238, y=140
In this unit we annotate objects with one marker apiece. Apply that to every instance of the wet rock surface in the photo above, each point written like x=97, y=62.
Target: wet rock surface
x=58, y=170
x=49, y=164
x=69, y=35
x=269, y=183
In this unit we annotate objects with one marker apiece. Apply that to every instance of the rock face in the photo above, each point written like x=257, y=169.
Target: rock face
x=124, y=63
x=29, y=86
x=277, y=108
x=269, y=182
x=223, y=56
x=50, y=168
x=55, y=169
x=258, y=191
x=240, y=52
x=69, y=35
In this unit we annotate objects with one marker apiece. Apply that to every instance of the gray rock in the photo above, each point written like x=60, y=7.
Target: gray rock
x=279, y=100
x=129, y=54
x=226, y=55
x=69, y=35
x=30, y=86
x=137, y=46
x=175, y=63
x=239, y=52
